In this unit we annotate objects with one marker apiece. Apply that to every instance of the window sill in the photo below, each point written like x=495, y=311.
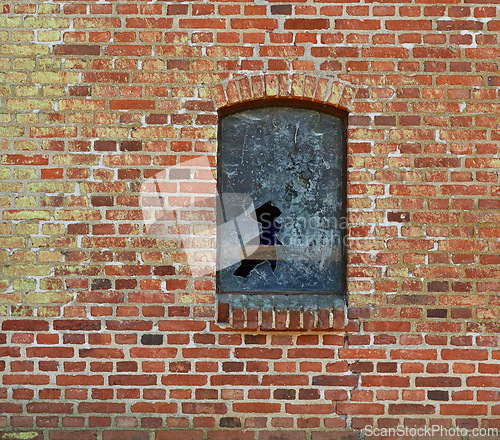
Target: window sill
x=250, y=318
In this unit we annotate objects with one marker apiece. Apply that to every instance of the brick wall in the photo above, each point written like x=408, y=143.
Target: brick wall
x=109, y=333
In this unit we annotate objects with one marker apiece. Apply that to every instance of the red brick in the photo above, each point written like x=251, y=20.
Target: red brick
x=25, y=325
x=76, y=324
x=157, y=407
x=353, y=24
x=51, y=408
x=230, y=435
x=438, y=382
x=259, y=353
x=132, y=104
x=105, y=407
x=56, y=352
x=125, y=435
x=483, y=381
x=361, y=353
x=387, y=326
x=411, y=408
x=11, y=408
x=184, y=380
x=468, y=354
x=360, y=408
x=456, y=409
x=77, y=49
x=77, y=435
x=260, y=407
x=407, y=25
x=133, y=379
x=204, y=408
x=174, y=434
x=311, y=408
x=307, y=23
x=386, y=381
x=414, y=354
x=254, y=23
x=310, y=353
x=105, y=77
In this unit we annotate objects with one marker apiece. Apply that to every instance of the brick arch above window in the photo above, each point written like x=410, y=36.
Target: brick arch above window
x=299, y=86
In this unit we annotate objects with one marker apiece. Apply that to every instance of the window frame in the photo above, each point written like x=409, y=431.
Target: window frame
x=303, y=104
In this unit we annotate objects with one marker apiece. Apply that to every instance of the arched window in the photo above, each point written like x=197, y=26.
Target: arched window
x=281, y=205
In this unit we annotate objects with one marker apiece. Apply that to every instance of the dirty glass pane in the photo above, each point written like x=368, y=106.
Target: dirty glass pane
x=280, y=204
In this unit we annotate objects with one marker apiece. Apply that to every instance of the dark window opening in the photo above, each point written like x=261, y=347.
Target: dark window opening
x=262, y=247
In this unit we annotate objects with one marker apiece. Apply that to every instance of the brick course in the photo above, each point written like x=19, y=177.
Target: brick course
x=109, y=332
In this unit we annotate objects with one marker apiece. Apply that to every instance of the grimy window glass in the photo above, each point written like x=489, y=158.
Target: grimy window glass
x=281, y=173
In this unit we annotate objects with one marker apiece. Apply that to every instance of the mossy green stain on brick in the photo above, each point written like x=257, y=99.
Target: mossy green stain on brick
x=20, y=436
x=27, y=270
x=53, y=229
x=26, y=214
x=46, y=22
x=24, y=284
x=11, y=131
x=26, y=202
x=55, y=77
x=25, y=174
x=51, y=187
x=49, y=297
x=9, y=22
x=77, y=215
x=24, y=50
x=11, y=242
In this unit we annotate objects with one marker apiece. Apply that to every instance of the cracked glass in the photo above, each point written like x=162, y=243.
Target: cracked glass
x=281, y=172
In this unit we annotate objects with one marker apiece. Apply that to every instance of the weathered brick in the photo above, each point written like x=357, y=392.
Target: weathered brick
x=25, y=325
x=100, y=99
x=76, y=324
x=125, y=435
x=77, y=49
